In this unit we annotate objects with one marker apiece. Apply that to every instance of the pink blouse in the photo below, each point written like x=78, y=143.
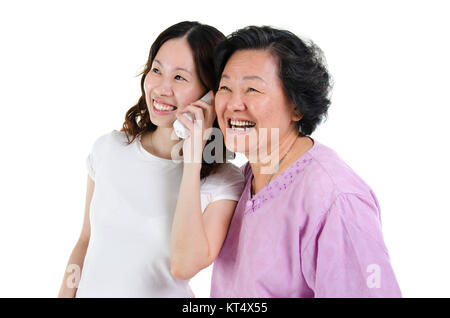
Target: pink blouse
x=313, y=231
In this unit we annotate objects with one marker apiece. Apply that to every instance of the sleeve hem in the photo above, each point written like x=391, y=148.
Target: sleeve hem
x=225, y=197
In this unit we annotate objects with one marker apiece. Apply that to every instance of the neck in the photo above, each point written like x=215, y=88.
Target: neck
x=159, y=142
x=267, y=166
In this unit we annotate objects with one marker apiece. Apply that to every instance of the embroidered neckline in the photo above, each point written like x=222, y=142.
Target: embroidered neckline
x=278, y=185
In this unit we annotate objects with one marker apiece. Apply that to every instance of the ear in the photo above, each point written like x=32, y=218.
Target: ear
x=296, y=115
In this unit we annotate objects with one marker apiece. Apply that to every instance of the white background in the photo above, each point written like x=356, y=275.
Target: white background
x=68, y=73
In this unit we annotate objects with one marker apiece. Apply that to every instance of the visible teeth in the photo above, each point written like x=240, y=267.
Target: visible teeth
x=162, y=107
x=244, y=123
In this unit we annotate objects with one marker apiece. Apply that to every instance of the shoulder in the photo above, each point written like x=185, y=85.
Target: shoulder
x=106, y=140
x=336, y=198
x=332, y=175
x=327, y=180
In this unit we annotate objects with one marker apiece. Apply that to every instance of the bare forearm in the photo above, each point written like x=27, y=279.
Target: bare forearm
x=73, y=270
x=190, y=250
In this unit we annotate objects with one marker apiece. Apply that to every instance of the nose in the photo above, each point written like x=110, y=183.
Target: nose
x=235, y=103
x=164, y=88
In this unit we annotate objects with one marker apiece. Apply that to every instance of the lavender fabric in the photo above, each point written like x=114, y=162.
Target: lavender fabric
x=313, y=231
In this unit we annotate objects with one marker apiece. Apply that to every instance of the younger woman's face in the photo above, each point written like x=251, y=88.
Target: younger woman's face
x=172, y=82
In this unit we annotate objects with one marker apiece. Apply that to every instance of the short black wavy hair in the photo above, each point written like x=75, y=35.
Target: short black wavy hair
x=301, y=68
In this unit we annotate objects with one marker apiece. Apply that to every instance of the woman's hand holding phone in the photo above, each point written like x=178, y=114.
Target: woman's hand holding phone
x=197, y=131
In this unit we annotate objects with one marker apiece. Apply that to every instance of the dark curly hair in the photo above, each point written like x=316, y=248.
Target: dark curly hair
x=202, y=40
x=301, y=69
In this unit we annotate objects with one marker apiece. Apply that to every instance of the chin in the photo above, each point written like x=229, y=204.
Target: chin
x=168, y=123
x=243, y=146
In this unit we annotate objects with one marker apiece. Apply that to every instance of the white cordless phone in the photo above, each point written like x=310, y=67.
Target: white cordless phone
x=180, y=129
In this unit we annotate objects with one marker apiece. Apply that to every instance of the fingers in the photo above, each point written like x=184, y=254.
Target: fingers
x=185, y=121
x=204, y=105
x=209, y=111
x=196, y=111
x=201, y=110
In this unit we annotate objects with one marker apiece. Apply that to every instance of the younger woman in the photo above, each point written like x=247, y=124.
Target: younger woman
x=124, y=249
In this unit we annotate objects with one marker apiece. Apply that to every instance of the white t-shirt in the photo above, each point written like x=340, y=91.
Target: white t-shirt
x=131, y=215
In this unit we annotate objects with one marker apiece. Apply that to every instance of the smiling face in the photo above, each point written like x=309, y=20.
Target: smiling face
x=172, y=82
x=251, y=94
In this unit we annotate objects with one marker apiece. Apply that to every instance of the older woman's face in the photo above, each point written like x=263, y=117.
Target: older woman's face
x=251, y=94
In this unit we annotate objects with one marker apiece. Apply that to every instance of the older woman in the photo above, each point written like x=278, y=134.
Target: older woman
x=306, y=224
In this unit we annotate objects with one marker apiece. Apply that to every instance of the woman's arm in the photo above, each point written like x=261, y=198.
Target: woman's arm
x=197, y=238
x=73, y=270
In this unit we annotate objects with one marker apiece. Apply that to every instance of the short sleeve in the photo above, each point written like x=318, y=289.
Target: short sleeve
x=90, y=166
x=231, y=185
x=348, y=257
x=225, y=184
x=95, y=155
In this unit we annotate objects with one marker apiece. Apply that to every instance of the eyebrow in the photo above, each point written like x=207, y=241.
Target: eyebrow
x=176, y=69
x=247, y=78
